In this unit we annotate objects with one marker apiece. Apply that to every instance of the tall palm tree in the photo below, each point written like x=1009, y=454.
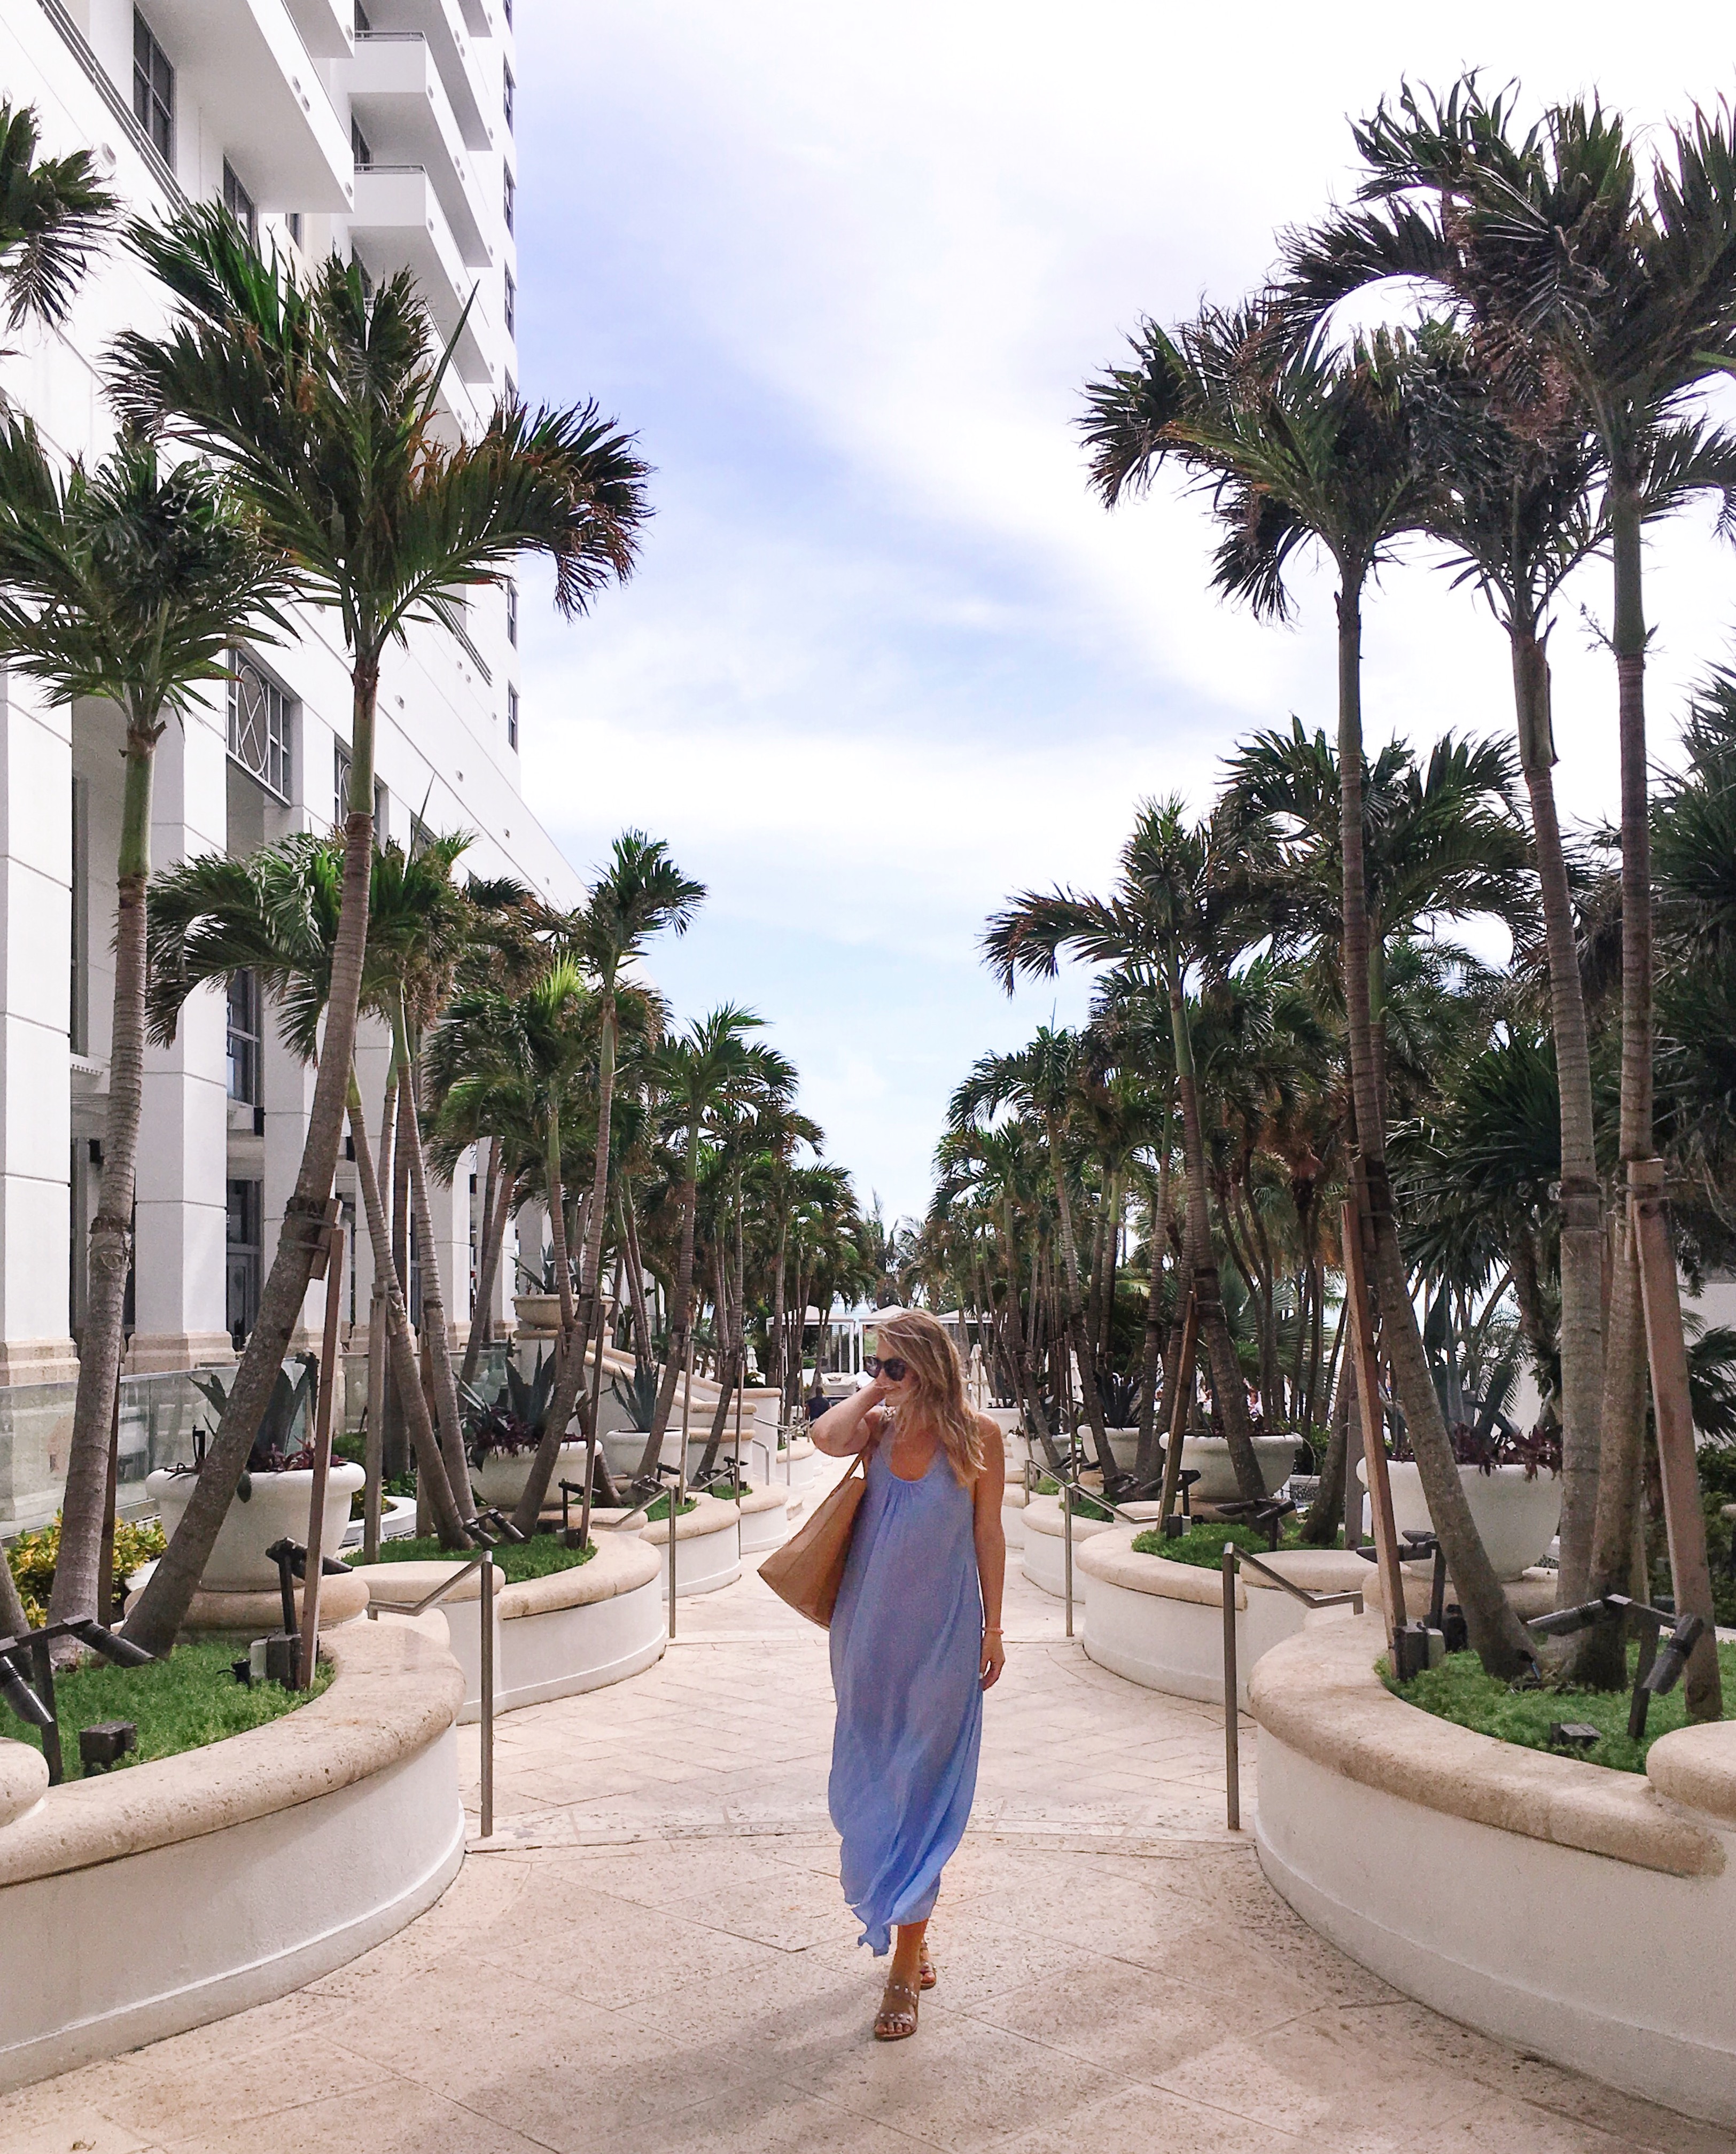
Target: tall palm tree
x=1574, y=271
x=129, y=584
x=279, y=914
x=1161, y=921
x=1304, y=446
x=641, y=893
x=323, y=399
x=52, y=217
x=711, y=1068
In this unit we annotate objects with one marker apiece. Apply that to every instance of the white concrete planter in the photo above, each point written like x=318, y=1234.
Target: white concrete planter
x=277, y=1509
x=765, y=1520
x=576, y=1630
x=236, y=1873
x=1209, y=1456
x=537, y=1312
x=397, y=1522
x=1006, y=1419
x=1515, y=1518
x=23, y=1780
x=1494, y=1883
x=1161, y=1624
x=1045, y=1560
x=708, y=1547
x=1013, y=1516
x=499, y=1481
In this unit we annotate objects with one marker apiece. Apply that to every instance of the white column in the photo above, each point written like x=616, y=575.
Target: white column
x=35, y=1008
x=449, y=1204
x=287, y=1089
x=179, y=1268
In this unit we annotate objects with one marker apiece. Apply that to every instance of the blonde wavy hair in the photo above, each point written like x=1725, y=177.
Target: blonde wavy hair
x=926, y=1350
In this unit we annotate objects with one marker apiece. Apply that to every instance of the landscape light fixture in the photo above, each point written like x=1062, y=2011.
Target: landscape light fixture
x=106, y=1743
x=1662, y=1658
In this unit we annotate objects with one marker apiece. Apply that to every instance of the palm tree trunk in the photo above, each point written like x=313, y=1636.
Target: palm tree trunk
x=1151, y=1354
x=1581, y=1198
x=681, y=1315
x=778, y=1328
x=432, y=1484
x=569, y=1377
x=1229, y=1395
x=162, y=1606
x=496, y=1215
x=436, y=1342
x=84, y=1503
x=1601, y=1659
x=1496, y=1633
x=643, y=1354
x=1078, y=1332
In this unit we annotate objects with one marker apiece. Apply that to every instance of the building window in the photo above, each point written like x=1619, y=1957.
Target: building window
x=512, y=598
x=259, y=726
x=507, y=191
x=506, y=94
x=153, y=89
x=512, y=388
x=244, y=1243
x=292, y=224
x=512, y=306
x=358, y=149
x=512, y=717
x=239, y=203
x=244, y=1037
x=421, y=837
x=340, y=795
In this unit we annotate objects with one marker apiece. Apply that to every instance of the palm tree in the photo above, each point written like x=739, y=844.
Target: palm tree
x=324, y=401
x=1308, y=446
x=1044, y=1078
x=52, y=218
x=279, y=914
x=711, y=1068
x=129, y=584
x=1577, y=274
x=1162, y=919
x=641, y=894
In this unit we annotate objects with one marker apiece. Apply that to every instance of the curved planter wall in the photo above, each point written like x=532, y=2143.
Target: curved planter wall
x=179, y=1891
x=576, y=1630
x=23, y=1780
x=1012, y=1516
x=765, y=1520
x=1045, y=1560
x=1161, y=1624
x=276, y=1508
x=1581, y=1913
x=707, y=1548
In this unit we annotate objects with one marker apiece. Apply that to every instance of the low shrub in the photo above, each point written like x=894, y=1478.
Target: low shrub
x=1459, y=1691
x=516, y=1561
x=33, y=1558
x=1083, y=1507
x=182, y=1703
x=1203, y=1544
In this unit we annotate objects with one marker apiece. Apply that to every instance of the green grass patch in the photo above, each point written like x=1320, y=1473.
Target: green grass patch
x=182, y=1703
x=1083, y=1507
x=515, y=1561
x=659, y=1510
x=1203, y=1544
x=725, y=1494
x=1460, y=1691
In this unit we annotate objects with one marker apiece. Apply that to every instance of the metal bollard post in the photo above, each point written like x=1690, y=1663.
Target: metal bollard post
x=1231, y=1761
x=1067, y=1538
x=487, y=1584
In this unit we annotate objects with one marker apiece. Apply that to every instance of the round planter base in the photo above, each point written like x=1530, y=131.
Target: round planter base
x=341, y=1601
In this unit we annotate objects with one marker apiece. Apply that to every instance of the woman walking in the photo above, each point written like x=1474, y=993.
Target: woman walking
x=916, y=1640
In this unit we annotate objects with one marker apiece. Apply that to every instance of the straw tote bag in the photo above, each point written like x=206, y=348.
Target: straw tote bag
x=808, y=1571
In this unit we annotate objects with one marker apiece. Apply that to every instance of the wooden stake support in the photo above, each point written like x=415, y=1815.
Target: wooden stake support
x=1667, y=1353
x=1374, y=1447
x=334, y=1270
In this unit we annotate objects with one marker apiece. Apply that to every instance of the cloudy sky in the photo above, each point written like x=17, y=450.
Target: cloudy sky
x=844, y=271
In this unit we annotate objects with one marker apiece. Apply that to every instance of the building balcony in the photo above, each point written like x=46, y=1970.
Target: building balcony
x=396, y=94
x=327, y=27
x=243, y=63
x=470, y=71
x=398, y=223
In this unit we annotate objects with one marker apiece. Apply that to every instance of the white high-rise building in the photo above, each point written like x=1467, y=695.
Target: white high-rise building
x=385, y=133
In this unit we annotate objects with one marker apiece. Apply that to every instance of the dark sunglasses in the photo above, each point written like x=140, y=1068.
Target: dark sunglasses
x=892, y=1369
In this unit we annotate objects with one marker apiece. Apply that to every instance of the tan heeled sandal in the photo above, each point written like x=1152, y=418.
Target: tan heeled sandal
x=893, y=2022
x=927, y=1978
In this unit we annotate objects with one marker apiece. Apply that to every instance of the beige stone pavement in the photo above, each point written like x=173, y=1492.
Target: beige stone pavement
x=652, y=1957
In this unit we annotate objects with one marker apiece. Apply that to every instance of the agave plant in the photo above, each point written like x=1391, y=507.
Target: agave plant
x=290, y=1408
x=636, y=1395
x=514, y=1421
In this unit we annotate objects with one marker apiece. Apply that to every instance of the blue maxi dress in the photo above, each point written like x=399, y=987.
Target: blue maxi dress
x=906, y=1661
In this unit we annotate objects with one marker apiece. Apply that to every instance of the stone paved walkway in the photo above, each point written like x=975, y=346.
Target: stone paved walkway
x=652, y=1958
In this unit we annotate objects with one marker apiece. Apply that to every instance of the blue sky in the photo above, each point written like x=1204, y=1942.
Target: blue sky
x=843, y=271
